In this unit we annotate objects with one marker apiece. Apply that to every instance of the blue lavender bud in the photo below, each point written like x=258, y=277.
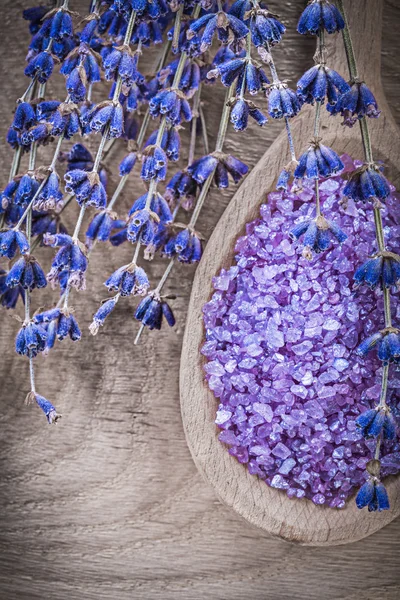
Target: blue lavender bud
x=319, y=161
x=172, y=144
x=24, y=117
x=142, y=227
x=354, y=104
x=63, y=323
x=46, y=223
x=282, y=102
x=70, y=260
x=158, y=205
x=168, y=314
x=75, y=84
x=190, y=79
x=65, y=120
x=283, y=179
x=45, y=110
x=320, y=14
x=320, y=83
x=35, y=16
x=152, y=9
x=100, y=316
x=154, y=164
x=241, y=111
x=150, y=313
x=79, y=157
x=374, y=495
x=382, y=270
x=189, y=251
x=100, y=227
x=387, y=343
x=377, y=421
x=108, y=114
x=222, y=23
x=39, y=133
x=182, y=187
x=87, y=187
x=9, y=296
x=40, y=67
x=50, y=197
x=129, y=280
x=318, y=234
x=127, y=163
x=147, y=32
x=7, y=195
x=120, y=237
x=265, y=28
x=12, y=240
x=13, y=138
x=30, y=339
x=367, y=183
x=219, y=165
x=248, y=76
x=27, y=273
x=61, y=26
x=173, y=105
x=121, y=62
x=51, y=414
x=88, y=31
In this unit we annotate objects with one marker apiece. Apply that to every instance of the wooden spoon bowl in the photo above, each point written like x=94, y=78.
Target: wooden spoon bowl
x=270, y=509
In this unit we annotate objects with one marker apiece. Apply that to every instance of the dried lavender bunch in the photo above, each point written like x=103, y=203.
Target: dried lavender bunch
x=36, y=122
x=241, y=74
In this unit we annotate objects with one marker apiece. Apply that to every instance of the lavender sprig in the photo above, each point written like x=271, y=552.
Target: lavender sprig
x=155, y=296
x=378, y=422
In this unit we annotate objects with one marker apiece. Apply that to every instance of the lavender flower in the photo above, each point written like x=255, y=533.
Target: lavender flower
x=62, y=321
x=317, y=235
x=319, y=161
x=354, y=104
x=172, y=104
x=377, y=421
x=129, y=280
x=367, y=183
x=381, y=270
x=11, y=241
x=30, y=339
x=47, y=407
x=221, y=23
x=100, y=227
x=86, y=187
x=282, y=102
x=374, y=495
x=320, y=83
x=220, y=165
x=100, y=316
x=27, y=273
x=387, y=343
x=151, y=311
x=320, y=14
x=241, y=111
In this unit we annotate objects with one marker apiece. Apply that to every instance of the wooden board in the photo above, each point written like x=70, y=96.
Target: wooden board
x=108, y=504
x=299, y=521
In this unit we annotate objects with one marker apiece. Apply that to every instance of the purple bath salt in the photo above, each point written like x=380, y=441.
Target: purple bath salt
x=281, y=335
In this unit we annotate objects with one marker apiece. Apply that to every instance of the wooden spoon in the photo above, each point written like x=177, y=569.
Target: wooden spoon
x=298, y=521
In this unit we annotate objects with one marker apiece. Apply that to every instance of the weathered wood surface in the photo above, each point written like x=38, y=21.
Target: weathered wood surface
x=108, y=505
x=299, y=521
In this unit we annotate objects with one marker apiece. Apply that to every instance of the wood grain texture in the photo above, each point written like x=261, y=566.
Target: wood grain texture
x=108, y=505
x=298, y=521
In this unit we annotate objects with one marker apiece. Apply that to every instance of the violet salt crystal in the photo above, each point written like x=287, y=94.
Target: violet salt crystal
x=281, y=334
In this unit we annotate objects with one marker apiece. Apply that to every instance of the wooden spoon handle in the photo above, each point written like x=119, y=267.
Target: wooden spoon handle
x=365, y=21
